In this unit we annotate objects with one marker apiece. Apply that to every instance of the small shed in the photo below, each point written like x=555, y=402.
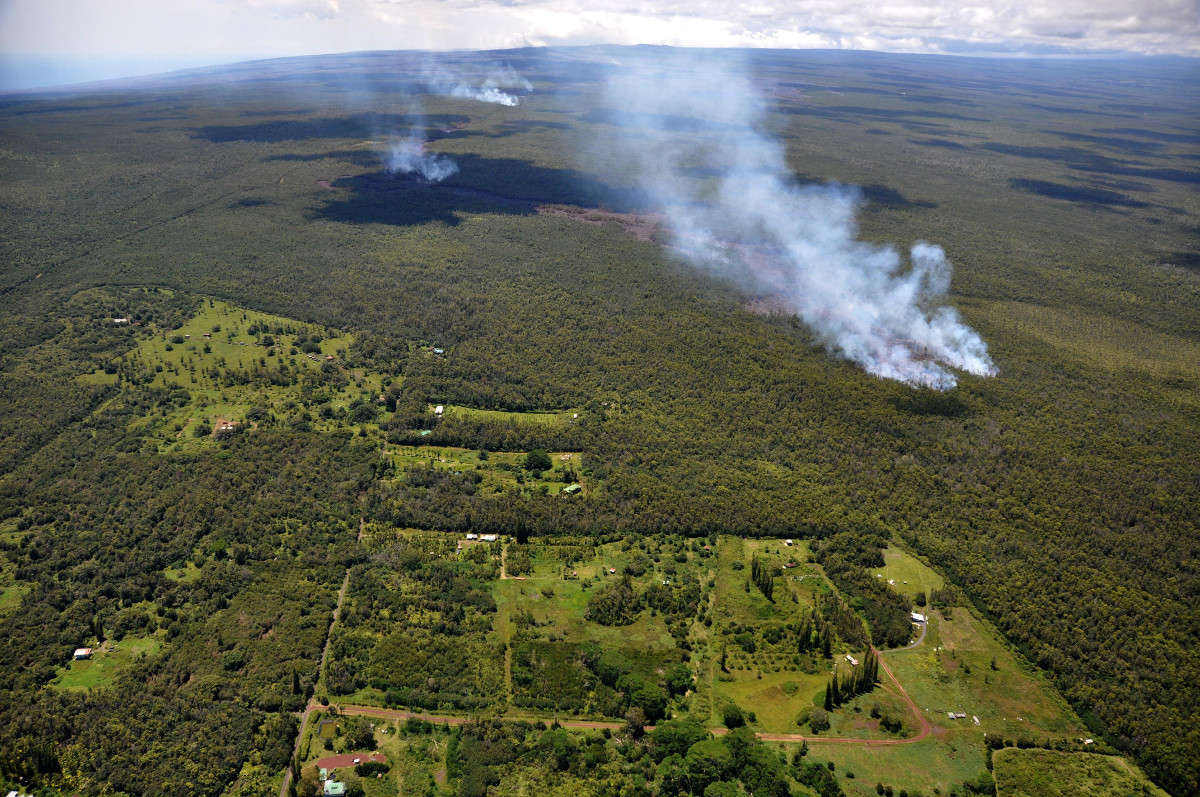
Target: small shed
x=83, y=653
x=334, y=788
x=571, y=489
x=917, y=617
x=438, y=410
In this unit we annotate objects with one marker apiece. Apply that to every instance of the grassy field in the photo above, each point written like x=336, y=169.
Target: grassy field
x=538, y=418
x=499, y=471
x=106, y=662
x=952, y=671
x=922, y=766
x=906, y=574
x=1051, y=773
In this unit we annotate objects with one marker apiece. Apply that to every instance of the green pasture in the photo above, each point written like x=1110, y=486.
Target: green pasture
x=499, y=470
x=1051, y=773
x=924, y=765
x=952, y=671
x=734, y=604
x=906, y=574
x=106, y=663
x=775, y=698
x=536, y=418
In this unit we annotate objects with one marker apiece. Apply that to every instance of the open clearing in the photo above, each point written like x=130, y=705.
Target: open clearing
x=1051, y=773
x=952, y=671
x=906, y=574
x=106, y=662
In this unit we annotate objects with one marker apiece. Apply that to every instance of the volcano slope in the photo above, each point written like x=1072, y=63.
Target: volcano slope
x=1058, y=497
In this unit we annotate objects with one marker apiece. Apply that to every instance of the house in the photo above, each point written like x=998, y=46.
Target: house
x=571, y=489
x=472, y=536
x=334, y=788
x=917, y=617
x=787, y=542
x=438, y=410
x=120, y=320
x=83, y=653
x=853, y=661
x=439, y=351
x=489, y=537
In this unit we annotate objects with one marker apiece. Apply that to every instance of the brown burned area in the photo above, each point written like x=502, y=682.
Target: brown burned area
x=641, y=226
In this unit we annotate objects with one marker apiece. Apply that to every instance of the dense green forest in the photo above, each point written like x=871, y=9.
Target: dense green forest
x=1059, y=498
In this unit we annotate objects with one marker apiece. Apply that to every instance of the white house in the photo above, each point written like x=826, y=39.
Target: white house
x=917, y=617
x=438, y=410
x=83, y=653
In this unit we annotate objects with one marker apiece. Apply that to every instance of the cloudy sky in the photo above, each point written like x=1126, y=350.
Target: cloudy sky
x=46, y=42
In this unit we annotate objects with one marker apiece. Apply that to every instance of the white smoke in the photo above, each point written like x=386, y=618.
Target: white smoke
x=490, y=89
x=690, y=129
x=409, y=156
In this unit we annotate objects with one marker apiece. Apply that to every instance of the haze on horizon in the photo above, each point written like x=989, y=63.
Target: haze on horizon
x=55, y=42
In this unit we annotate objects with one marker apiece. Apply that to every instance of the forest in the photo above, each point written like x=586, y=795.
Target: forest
x=1058, y=498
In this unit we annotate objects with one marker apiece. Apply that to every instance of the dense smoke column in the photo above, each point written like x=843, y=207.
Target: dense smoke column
x=690, y=127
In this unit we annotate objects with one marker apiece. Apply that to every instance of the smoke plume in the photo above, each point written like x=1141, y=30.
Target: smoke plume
x=691, y=132
x=490, y=89
x=409, y=156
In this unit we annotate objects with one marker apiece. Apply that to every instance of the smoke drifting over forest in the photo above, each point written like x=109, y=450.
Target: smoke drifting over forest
x=691, y=131
x=491, y=88
x=407, y=154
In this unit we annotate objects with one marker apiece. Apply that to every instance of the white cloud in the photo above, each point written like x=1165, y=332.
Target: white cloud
x=187, y=32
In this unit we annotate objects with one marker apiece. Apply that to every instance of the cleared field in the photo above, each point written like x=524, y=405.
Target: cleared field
x=906, y=574
x=541, y=418
x=499, y=471
x=1051, y=773
x=952, y=671
x=106, y=662
x=920, y=767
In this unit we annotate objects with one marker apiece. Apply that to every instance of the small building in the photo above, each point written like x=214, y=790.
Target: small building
x=956, y=715
x=120, y=320
x=438, y=410
x=917, y=617
x=1088, y=741
x=612, y=569
x=976, y=719
x=787, y=542
x=334, y=788
x=853, y=661
x=472, y=536
x=489, y=537
x=83, y=653
x=439, y=351
x=571, y=489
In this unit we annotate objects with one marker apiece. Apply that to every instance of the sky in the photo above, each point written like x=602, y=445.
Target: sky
x=50, y=42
